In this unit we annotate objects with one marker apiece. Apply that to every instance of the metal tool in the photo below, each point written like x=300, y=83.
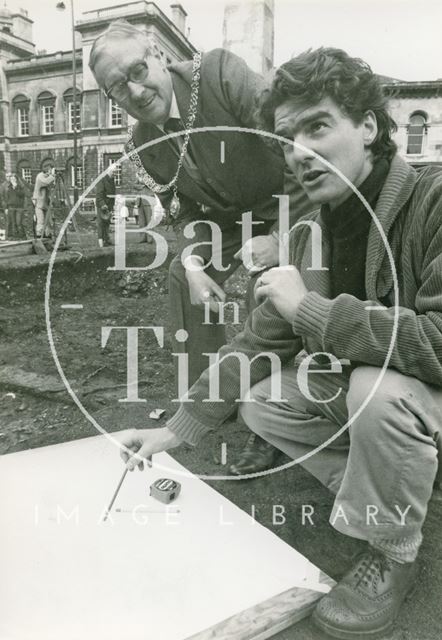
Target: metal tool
x=165, y=490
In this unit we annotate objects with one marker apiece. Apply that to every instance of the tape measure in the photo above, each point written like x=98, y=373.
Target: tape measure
x=165, y=490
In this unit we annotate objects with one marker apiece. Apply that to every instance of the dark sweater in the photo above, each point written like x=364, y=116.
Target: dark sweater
x=15, y=197
x=348, y=226
x=105, y=194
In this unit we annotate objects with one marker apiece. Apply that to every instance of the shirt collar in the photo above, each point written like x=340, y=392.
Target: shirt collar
x=173, y=113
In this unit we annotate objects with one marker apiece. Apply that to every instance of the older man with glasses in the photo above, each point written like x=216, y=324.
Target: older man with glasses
x=194, y=181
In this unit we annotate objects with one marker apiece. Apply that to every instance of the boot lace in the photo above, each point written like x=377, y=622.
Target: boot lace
x=369, y=565
x=250, y=443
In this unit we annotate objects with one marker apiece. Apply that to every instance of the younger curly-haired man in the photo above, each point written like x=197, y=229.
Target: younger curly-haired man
x=368, y=423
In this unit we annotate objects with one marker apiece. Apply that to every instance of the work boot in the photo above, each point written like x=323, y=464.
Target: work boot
x=258, y=455
x=365, y=603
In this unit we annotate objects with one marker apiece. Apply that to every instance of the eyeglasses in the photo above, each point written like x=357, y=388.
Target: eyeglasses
x=138, y=73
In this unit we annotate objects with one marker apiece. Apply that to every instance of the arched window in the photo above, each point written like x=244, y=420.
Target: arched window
x=68, y=98
x=46, y=101
x=20, y=106
x=417, y=129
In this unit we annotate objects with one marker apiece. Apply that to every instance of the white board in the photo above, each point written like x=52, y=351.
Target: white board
x=66, y=575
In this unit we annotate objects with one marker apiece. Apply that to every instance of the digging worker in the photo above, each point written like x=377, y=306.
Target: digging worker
x=217, y=176
x=14, y=203
x=3, y=190
x=379, y=329
x=105, y=202
x=143, y=207
x=41, y=201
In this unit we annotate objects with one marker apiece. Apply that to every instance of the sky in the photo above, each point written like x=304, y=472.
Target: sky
x=398, y=38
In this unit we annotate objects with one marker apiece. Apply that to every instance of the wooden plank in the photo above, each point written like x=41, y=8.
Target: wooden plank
x=267, y=618
x=8, y=249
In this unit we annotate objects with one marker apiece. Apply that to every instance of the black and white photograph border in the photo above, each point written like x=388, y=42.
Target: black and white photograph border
x=94, y=356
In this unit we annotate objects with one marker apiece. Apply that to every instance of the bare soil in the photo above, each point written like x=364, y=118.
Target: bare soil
x=36, y=410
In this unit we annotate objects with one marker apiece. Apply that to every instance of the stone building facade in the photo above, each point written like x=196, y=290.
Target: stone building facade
x=417, y=109
x=36, y=92
x=37, y=115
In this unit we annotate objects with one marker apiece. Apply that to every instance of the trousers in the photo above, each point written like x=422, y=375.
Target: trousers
x=103, y=226
x=383, y=465
x=15, y=228
x=204, y=337
x=43, y=221
x=144, y=217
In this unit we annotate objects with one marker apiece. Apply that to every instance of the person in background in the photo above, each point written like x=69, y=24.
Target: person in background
x=3, y=188
x=143, y=208
x=14, y=203
x=105, y=201
x=120, y=209
x=41, y=201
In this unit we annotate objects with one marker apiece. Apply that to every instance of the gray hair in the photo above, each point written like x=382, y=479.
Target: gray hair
x=121, y=30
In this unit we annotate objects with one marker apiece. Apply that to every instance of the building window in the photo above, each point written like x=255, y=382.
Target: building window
x=46, y=102
x=21, y=109
x=23, y=121
x=47, y=118
x=26, y=174
x=416, y=133
x=79, y=176
x=115, y=114
x=118, y=175
x=71, y=123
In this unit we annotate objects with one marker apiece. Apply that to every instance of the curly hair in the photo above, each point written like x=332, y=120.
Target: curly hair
x=330, y=72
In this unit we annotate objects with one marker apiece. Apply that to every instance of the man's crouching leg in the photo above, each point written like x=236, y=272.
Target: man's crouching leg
x=298, y=426
x=383, y=499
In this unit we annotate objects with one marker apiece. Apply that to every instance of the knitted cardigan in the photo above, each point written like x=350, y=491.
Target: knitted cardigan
x=409, y=212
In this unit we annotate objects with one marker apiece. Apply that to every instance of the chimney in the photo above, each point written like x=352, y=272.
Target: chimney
x=179, y=17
